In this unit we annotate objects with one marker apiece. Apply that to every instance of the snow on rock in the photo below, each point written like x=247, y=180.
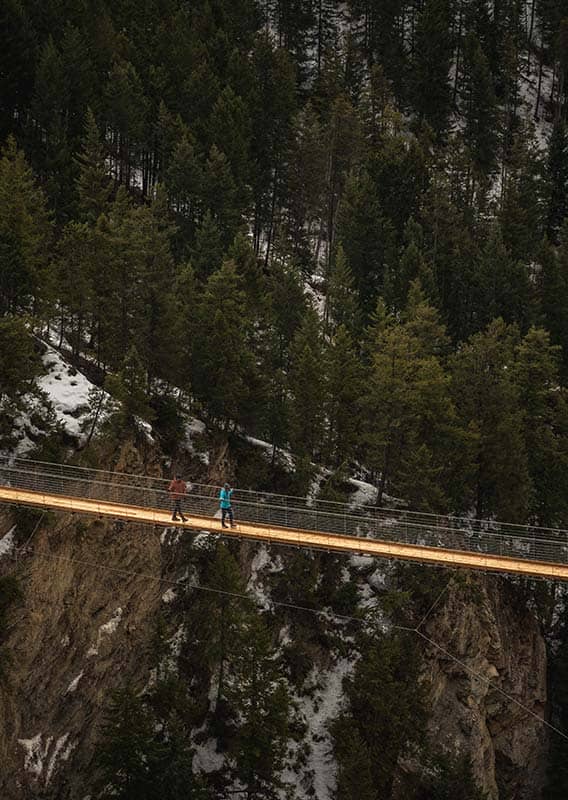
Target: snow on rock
x=318, y=710
x=61, y=751
x=67, y=389
x=206, y=758
x=283, y=457
x=74, y=683
x=39, y=754
x=260, y=562
x=106, y=630
x=35, y=753
x=365, y=494
x=195, y=427
x=204, y=540
x=7, y=543
x=169, y=596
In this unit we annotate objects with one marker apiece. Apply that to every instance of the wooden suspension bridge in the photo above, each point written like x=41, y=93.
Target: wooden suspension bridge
x=336, y=527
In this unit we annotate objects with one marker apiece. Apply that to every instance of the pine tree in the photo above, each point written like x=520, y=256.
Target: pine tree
x=128, y=752
x=75, y=270
x=557, y=180
x=386, y=707
x=259, y=696
x=545, y=420
x=480, y=109
x=19, y=363
x=207, y=252
x=25, y=235
x=223, y=197
x=355, y=771
x=553, y=291
x=230, y=132
x=307, y=387
x=367, y=238
x=487, y=400
x=431, y=68
x=344, y=387
x=224, y=363
x=408, y=404
x=341, y=300
x=129, y=386
x=93, y=183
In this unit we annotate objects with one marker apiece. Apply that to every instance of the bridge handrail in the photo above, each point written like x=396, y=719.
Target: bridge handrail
x=335, y=522
x=440, y=522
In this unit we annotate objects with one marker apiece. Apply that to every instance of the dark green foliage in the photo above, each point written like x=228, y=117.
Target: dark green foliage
x=433, y=51
x=142, y=760
x=19, y=361
x=384, y=718
x=450, y=778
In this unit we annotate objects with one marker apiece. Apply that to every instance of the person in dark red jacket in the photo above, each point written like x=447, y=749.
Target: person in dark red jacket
x=177, y=490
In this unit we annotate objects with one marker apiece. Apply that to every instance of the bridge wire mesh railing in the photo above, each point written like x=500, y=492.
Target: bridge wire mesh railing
x=293, y=513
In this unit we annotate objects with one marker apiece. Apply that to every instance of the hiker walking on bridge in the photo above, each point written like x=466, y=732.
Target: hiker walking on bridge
x=225, y=504
x=177, y=490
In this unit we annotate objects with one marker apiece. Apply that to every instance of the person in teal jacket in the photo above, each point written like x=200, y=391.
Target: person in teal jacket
x=225, y=503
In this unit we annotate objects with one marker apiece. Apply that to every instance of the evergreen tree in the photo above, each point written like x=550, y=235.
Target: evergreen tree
x=25, y=235
x=307, y=387
x=408, y=404
x=224, y=364
x=260, y=698
x=367, y=238
x=344, y=385
x=432, y=57
x=19, y=363
x=487, y=401
x=93, y=183
x=128, y=386
x=557, y=180
x=386, y=707
x=545, y=421
x=341, y=299
x=480, y=109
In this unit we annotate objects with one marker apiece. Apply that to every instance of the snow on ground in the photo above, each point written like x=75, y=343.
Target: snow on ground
x=67, y=389
x=283, y=457
x=169, y=596
x=61, y=750
x=365, y=495
x=37, y=754
x=106, y=630
x=195, y=427
x=74, y=683
x=7, y=543
x=261, y=561
x=318, y=710
x=206, y=758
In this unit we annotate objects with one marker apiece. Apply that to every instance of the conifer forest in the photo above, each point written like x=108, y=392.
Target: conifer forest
x=309, y=247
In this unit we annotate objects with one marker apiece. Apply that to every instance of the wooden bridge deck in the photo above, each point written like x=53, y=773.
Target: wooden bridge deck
x=290, y=536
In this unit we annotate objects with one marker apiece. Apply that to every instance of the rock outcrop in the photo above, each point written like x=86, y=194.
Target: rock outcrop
x=487, y=705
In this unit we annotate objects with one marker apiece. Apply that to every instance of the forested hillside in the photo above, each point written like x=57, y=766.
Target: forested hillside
x=338, y=228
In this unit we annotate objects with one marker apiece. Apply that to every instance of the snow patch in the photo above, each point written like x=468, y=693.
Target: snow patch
x=206, y=758
x=74, y=683
x=7, y=543
x=255, y=586
x=106, y=630
x=169, y=596
x=67, y=389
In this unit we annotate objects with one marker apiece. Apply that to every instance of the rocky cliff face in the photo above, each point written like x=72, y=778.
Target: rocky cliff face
x=78, y=631
x=482, y=706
